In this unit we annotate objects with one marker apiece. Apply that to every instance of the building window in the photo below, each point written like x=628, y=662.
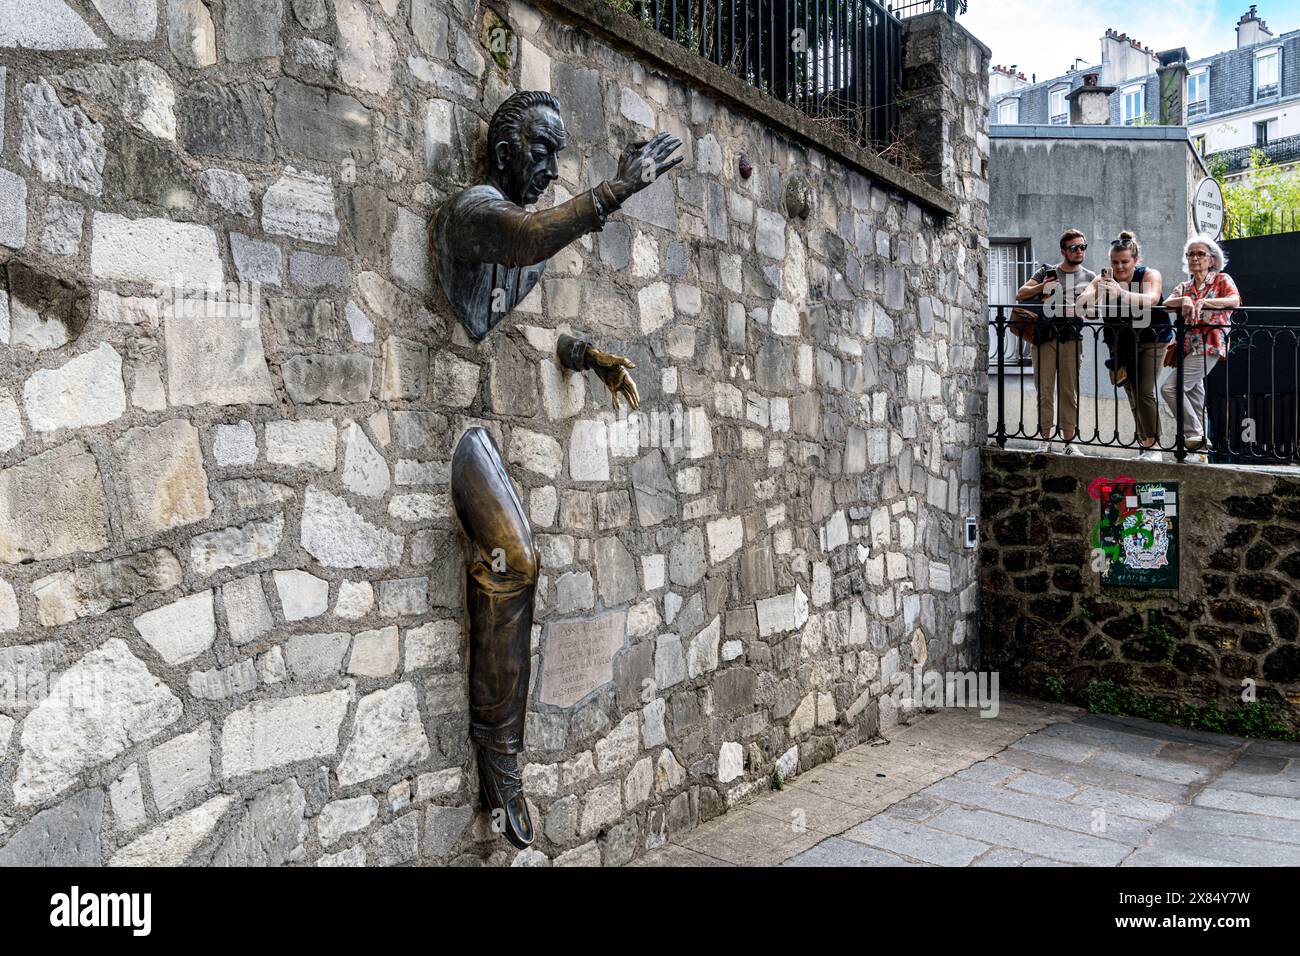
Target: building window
x=1134, y=106
x=1059, y=110
x=1010, y=264
x=1198, y=94
x=1009, y=112
x=1268, y=70
x=1263, y=129
x=1199, y=142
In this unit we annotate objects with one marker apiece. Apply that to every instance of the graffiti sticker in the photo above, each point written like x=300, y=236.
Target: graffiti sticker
x=1137, y=532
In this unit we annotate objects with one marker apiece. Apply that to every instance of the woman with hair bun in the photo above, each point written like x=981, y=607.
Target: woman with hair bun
x=1205, y=302
x=1126, y=294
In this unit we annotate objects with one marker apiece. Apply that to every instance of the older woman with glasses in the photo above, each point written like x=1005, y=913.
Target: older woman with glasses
x=1205, y=302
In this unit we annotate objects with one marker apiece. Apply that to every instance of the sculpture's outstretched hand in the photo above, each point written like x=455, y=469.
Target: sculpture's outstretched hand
x=644, y=162
x=612, y=370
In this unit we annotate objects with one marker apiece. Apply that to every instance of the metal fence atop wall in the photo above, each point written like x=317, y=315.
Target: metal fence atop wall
x=1251, y=397
x=1264, y=222
x=838, y=61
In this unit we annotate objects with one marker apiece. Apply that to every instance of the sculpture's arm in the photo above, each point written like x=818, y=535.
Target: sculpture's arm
x=578, y=355
x=500, y=231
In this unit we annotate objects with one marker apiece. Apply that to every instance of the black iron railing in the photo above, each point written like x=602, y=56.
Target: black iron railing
x=917, y=7
x=1261, y=222
x=1251, y=398
x=838, y=61
x=1280, y=151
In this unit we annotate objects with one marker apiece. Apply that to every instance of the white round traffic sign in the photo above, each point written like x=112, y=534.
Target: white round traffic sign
x=1207, y=208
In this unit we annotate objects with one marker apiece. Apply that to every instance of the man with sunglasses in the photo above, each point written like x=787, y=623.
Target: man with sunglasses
x=1058, y=338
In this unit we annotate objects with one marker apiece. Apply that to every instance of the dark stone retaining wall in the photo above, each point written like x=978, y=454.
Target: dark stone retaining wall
x=1235, y=614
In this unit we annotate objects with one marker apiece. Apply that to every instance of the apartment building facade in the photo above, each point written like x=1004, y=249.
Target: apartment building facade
x=1232, y=102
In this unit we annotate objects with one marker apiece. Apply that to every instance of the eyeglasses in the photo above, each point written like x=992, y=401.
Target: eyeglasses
x=1077, y=247
x=1198, y=255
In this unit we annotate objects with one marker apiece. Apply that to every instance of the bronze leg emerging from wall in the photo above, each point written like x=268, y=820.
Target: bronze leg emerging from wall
x=501, y=564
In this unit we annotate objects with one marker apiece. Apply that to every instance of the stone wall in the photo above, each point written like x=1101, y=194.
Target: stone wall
x=230, y=579
x=1235, y=615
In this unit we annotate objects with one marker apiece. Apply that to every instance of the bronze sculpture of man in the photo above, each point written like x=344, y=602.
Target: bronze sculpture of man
x=489, y=252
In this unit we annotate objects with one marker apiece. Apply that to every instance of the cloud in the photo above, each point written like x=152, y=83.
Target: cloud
x=1045, y=40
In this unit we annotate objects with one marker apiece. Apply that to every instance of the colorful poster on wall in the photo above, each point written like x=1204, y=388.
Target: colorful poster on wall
x=1139, y=534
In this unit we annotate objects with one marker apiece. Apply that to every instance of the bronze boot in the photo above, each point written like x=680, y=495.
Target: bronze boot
x=503, y=795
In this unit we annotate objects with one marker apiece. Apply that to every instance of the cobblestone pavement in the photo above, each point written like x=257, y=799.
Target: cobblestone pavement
x=1040, y=785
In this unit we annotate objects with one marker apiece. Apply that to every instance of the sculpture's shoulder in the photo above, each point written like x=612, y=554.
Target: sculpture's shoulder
x=468, y=200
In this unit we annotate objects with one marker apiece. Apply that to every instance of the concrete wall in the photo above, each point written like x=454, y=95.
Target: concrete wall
x=230, y=613
x=1234, y=617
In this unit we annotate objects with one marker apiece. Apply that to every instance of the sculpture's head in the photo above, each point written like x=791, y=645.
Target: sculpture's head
x=525, y=138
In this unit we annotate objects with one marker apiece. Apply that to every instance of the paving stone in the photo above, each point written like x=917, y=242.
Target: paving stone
x=1170, y=770
x=1226, y=847
x=1035, y=838
x=1041, y=786
x=1222, y=799
x=838, y=851
x=1137, y=808
x=1235, y=823
x=1079, y=818
x=917, y=841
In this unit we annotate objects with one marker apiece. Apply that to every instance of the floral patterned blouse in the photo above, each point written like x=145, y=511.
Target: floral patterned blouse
x=1211, y=340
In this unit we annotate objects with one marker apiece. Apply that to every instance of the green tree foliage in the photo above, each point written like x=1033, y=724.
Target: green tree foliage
x=1267, y=200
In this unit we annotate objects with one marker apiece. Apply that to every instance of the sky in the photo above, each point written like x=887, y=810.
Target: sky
x=1044, y=38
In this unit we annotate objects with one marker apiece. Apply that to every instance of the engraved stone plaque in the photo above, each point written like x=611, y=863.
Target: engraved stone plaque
x=578, y=656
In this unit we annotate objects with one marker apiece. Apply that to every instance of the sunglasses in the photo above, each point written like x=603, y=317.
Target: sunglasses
x=1077, y=247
